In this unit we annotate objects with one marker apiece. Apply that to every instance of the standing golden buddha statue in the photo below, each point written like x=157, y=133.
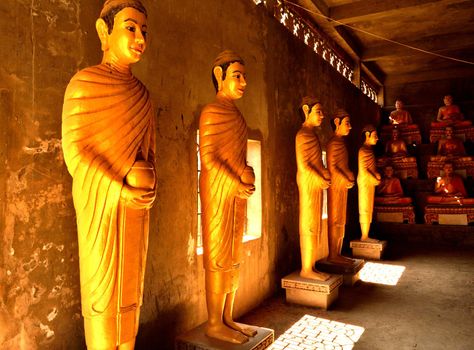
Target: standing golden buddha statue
x=342, y=179
x=367, y=179
x=312, y=178
x=108, y=143
x=226, y=182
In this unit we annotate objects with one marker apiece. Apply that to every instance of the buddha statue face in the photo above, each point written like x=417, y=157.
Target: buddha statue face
x=448, y=100
x=234, y=83
x=448, y=169
x=343, y=127
x=388, y=172
x=398, y=104
x=126, y=43
x=395, y=134
x=449, y=132
x=315, y=116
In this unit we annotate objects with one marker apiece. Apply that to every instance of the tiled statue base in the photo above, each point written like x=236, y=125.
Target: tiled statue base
x=368, y=250
x=196, y=339
x=395, y=213
x=350, y=274
x=309, y=292
x=449, y=214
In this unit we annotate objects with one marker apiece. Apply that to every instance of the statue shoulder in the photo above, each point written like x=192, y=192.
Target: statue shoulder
x=77, y=85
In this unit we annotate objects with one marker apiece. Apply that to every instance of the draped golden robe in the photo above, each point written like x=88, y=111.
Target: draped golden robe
x=366, y=182
x=107, y=124
x=309, y=177
x=223, y=151
x=338, y=166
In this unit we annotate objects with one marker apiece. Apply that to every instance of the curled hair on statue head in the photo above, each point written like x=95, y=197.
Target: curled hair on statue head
x=224, y=60
x=310, y=102
x=111, y=8
x=339, y=115
x=369, y=128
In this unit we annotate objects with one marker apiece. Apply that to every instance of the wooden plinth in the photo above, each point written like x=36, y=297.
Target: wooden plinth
x=196, y=339
x=368, y=250
x=305, y=291
x=350, y=274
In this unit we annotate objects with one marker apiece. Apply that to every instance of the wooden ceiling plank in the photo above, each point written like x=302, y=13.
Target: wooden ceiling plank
x=438, y=43
x=458, y=72
x=365, y=9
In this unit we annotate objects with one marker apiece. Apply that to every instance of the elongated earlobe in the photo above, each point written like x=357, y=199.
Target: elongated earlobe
x=103, y=32
x=218, y=75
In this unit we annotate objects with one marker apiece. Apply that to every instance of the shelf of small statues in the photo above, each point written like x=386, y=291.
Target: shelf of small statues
x=465, y=133
x=410, y=135
x=402, y=169
x=463, y=166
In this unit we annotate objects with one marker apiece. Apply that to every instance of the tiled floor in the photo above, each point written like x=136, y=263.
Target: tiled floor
x=420, y=298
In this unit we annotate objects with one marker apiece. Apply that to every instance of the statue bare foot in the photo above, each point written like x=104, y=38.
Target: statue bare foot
x=224, y=333
x=315, y=275
x=249, y=332
x=341, y=260
x=370, y=240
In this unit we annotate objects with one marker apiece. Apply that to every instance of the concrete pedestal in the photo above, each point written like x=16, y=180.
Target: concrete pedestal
x=305, y=291
x=196, y=339
x=368, y=250
x=350, y=274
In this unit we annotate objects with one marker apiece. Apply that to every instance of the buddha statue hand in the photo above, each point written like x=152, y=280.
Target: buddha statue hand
x=137, y=198
x=244, y=190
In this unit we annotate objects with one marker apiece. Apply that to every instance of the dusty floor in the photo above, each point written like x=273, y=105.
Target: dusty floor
x=431, y=307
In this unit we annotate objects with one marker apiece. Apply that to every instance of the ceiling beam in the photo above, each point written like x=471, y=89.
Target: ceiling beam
x=365, y=9
x=435, y=43
x=350, y=39
x=452, y=73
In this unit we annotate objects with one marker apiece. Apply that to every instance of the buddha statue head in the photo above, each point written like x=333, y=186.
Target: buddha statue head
x=228, y=75
x=395, y=134
x=449, y=132
x=122, y=30
x=448, y=100
x=341, y=123
x=448, y=169
x=370, y=135
x=388, y=171
x=311, y=111
x=399, y=105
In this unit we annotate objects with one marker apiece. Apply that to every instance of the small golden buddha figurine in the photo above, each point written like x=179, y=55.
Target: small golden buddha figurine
x=402, y=120
x=312, y=178
x=400, y=116
x=450, y=114
x=449, y=189
x=451, y=146
x=390, y=191
x=226, y=182
x=396, y=147
x=342, y=179
x=108, y=143
x=367, y=179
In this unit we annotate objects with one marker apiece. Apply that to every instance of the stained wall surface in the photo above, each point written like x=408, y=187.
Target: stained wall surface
x=46, y=42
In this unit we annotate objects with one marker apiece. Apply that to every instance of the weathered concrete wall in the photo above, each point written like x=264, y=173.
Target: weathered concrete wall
x=46, y=42
x=423, y=99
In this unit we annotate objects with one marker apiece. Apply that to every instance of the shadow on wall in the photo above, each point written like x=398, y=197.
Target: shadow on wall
x=161, y=332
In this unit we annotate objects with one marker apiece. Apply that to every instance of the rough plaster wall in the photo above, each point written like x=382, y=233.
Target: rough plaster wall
x=39, y=289
x=424, y=106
